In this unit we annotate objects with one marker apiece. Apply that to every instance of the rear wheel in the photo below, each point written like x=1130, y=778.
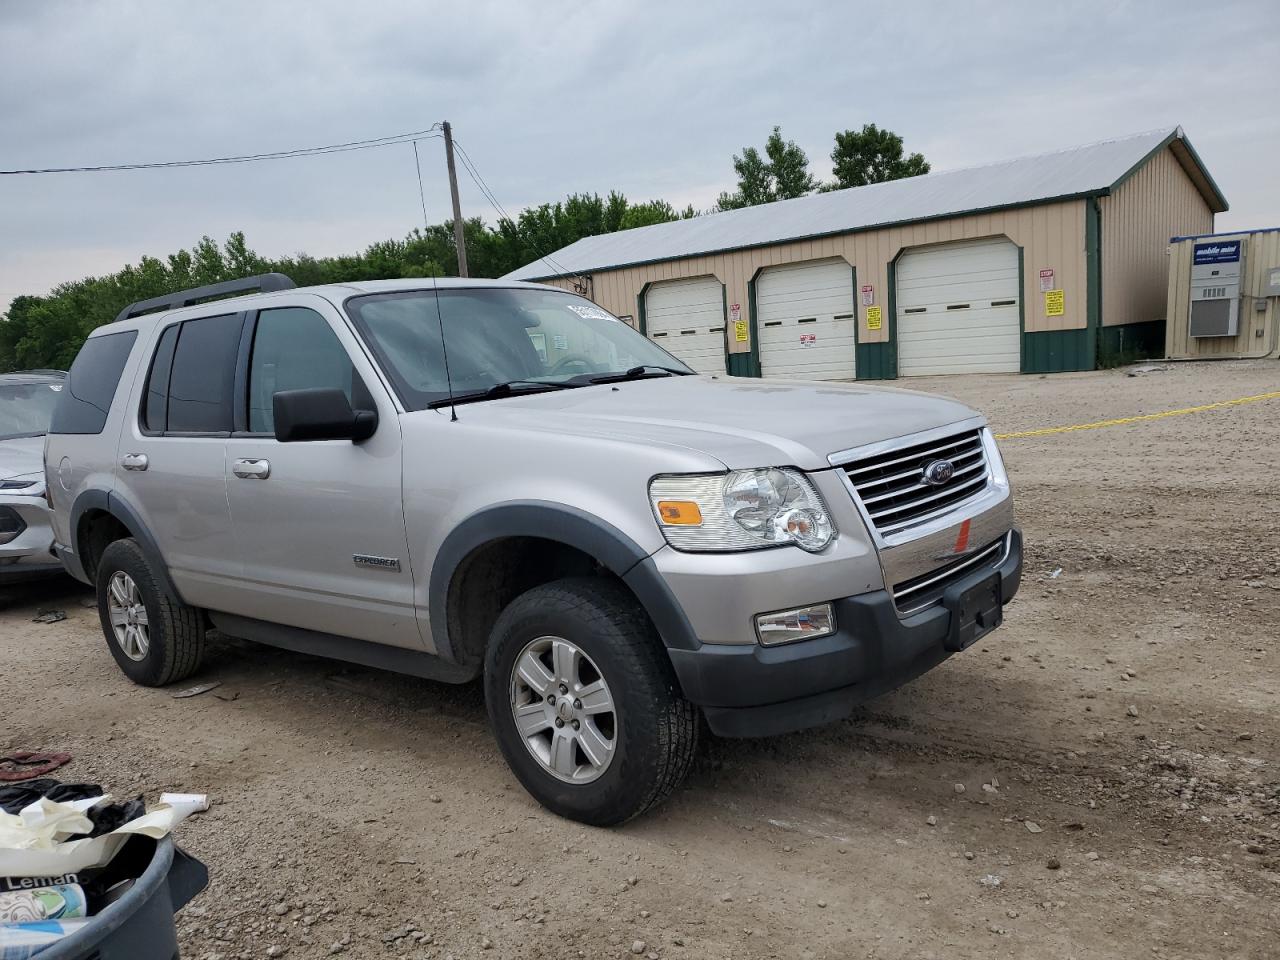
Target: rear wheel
x=155, y=640
x=584, y=703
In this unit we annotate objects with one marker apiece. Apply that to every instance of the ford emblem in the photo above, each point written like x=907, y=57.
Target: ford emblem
x=938, y=472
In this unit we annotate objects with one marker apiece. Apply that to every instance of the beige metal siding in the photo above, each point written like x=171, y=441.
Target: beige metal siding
x=1259, y=330
x=1156, y=203
x=1051, y=235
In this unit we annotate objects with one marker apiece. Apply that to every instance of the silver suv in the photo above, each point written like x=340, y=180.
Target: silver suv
x=464, y=479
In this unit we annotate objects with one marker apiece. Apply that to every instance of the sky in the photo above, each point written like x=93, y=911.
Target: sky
x=556, y=97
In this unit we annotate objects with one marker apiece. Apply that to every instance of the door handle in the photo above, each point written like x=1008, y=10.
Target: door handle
x=251, y=469
x=134, y=461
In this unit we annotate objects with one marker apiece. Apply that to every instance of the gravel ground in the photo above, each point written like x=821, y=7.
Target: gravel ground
x=1100, y=778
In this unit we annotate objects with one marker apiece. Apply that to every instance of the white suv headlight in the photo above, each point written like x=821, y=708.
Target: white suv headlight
x=742, y=510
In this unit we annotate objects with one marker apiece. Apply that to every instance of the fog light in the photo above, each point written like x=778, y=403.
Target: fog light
x=803, y=623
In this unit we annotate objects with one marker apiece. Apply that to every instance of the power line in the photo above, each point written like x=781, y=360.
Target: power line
x=421, y=194
x=479, y=181
x=416, y=135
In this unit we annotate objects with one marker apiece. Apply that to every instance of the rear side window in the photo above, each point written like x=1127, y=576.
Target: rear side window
x=92, y=382
x=156, y=411
x=202, y=377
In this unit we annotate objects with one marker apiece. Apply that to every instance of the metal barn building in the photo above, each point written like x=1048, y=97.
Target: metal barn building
x=1041, y=264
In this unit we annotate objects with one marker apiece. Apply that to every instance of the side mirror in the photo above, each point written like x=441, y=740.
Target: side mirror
x=320, y=413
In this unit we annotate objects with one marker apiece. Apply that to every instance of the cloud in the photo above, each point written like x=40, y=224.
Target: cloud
x=563, y=96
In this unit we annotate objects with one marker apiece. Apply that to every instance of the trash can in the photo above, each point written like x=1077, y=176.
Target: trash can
x=139, y=926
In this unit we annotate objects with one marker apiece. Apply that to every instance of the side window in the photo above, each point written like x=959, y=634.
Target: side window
x=91, y=383
x=293, y=348
x=156, y=406
x=202, y=377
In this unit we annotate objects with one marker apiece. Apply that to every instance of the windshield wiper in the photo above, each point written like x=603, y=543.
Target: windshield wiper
x=637, y=373
x=504, y=389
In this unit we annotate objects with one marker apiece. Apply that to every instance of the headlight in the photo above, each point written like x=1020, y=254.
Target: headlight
x=25, y=488
x=742, y=510
x=998, y=474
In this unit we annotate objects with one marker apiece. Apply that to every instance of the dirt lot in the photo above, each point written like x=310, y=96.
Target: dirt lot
x=1099, y=779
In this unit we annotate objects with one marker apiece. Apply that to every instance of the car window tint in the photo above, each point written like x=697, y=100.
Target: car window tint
x=157, y=403
x=203, y=374
x=293, y=348
x=91, y=383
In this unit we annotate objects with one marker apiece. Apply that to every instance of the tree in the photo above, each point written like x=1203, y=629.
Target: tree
x=47, y=331
x=781, y=174
x=872, y=155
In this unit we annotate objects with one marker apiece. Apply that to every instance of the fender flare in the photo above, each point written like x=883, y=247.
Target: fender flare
x=559, y=522
x=120, y=508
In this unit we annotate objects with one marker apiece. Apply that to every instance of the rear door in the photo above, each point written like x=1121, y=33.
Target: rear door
x=172, y=450
x=320, y=523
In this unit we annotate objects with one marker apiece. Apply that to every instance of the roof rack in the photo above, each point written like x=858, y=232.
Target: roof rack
x=263, y=283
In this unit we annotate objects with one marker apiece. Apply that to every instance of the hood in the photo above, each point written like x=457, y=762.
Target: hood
x=740, y=422
x=21, y=456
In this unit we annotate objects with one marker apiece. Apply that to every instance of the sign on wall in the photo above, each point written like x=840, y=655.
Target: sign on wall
x=875, y=318
x=735, y=312
x=1228, y=252
x=868, y=294
x=808, y=339
x=1046, y=279
x=740, y=331
x=1055, y=304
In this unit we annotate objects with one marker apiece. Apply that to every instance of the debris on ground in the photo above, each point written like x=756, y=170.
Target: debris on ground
x=20, y=765
x=197, y=690
x=49, y=616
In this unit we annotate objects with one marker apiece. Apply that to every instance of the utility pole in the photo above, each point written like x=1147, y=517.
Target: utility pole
x=458, y=239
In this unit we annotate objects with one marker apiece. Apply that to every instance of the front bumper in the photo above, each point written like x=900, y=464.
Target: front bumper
x=30, y=554
x=753, y=690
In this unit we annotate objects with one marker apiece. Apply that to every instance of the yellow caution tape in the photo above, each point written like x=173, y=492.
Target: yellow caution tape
x=1099, y=424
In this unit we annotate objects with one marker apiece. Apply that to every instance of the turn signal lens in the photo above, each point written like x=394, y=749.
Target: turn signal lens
x=679, y=513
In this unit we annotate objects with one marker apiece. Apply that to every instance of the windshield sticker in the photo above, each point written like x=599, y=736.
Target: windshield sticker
x=55, y=387
x=589, y=311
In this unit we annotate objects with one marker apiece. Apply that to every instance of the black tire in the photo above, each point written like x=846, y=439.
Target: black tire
x=175, y=630
x=656, y=732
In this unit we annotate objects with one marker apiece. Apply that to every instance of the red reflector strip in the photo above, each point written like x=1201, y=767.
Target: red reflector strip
x=962, y=539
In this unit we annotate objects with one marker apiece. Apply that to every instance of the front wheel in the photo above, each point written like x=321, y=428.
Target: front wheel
x=584, y=703
x=155, y=639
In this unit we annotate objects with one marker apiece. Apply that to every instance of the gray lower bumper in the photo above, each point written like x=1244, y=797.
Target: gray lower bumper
x=748, y=691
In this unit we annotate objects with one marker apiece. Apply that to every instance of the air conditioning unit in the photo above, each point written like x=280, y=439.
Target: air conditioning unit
x=1217, y=270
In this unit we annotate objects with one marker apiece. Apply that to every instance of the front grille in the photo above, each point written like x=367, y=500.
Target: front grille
x=891, y=484
x=912, y=596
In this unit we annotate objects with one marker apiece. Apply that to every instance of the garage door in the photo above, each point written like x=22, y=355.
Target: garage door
x=686, y=318
x=957, y=309
x=805, y=320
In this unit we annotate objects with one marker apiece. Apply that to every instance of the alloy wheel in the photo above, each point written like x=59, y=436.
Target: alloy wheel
x=564, y=710
x=128, y=616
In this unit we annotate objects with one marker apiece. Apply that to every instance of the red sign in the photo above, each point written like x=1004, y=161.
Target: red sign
x=808, y=339
x=868, y=295
x=1046, y=279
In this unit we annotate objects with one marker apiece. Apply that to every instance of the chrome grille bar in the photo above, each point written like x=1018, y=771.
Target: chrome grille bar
x=914, y=595
x=891, y=487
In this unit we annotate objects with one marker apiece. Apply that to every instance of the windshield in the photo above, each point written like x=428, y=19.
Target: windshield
x=26, y=409
x=529, y=339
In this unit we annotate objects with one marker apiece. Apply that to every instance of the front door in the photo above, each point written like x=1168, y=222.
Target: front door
x=319, y=524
